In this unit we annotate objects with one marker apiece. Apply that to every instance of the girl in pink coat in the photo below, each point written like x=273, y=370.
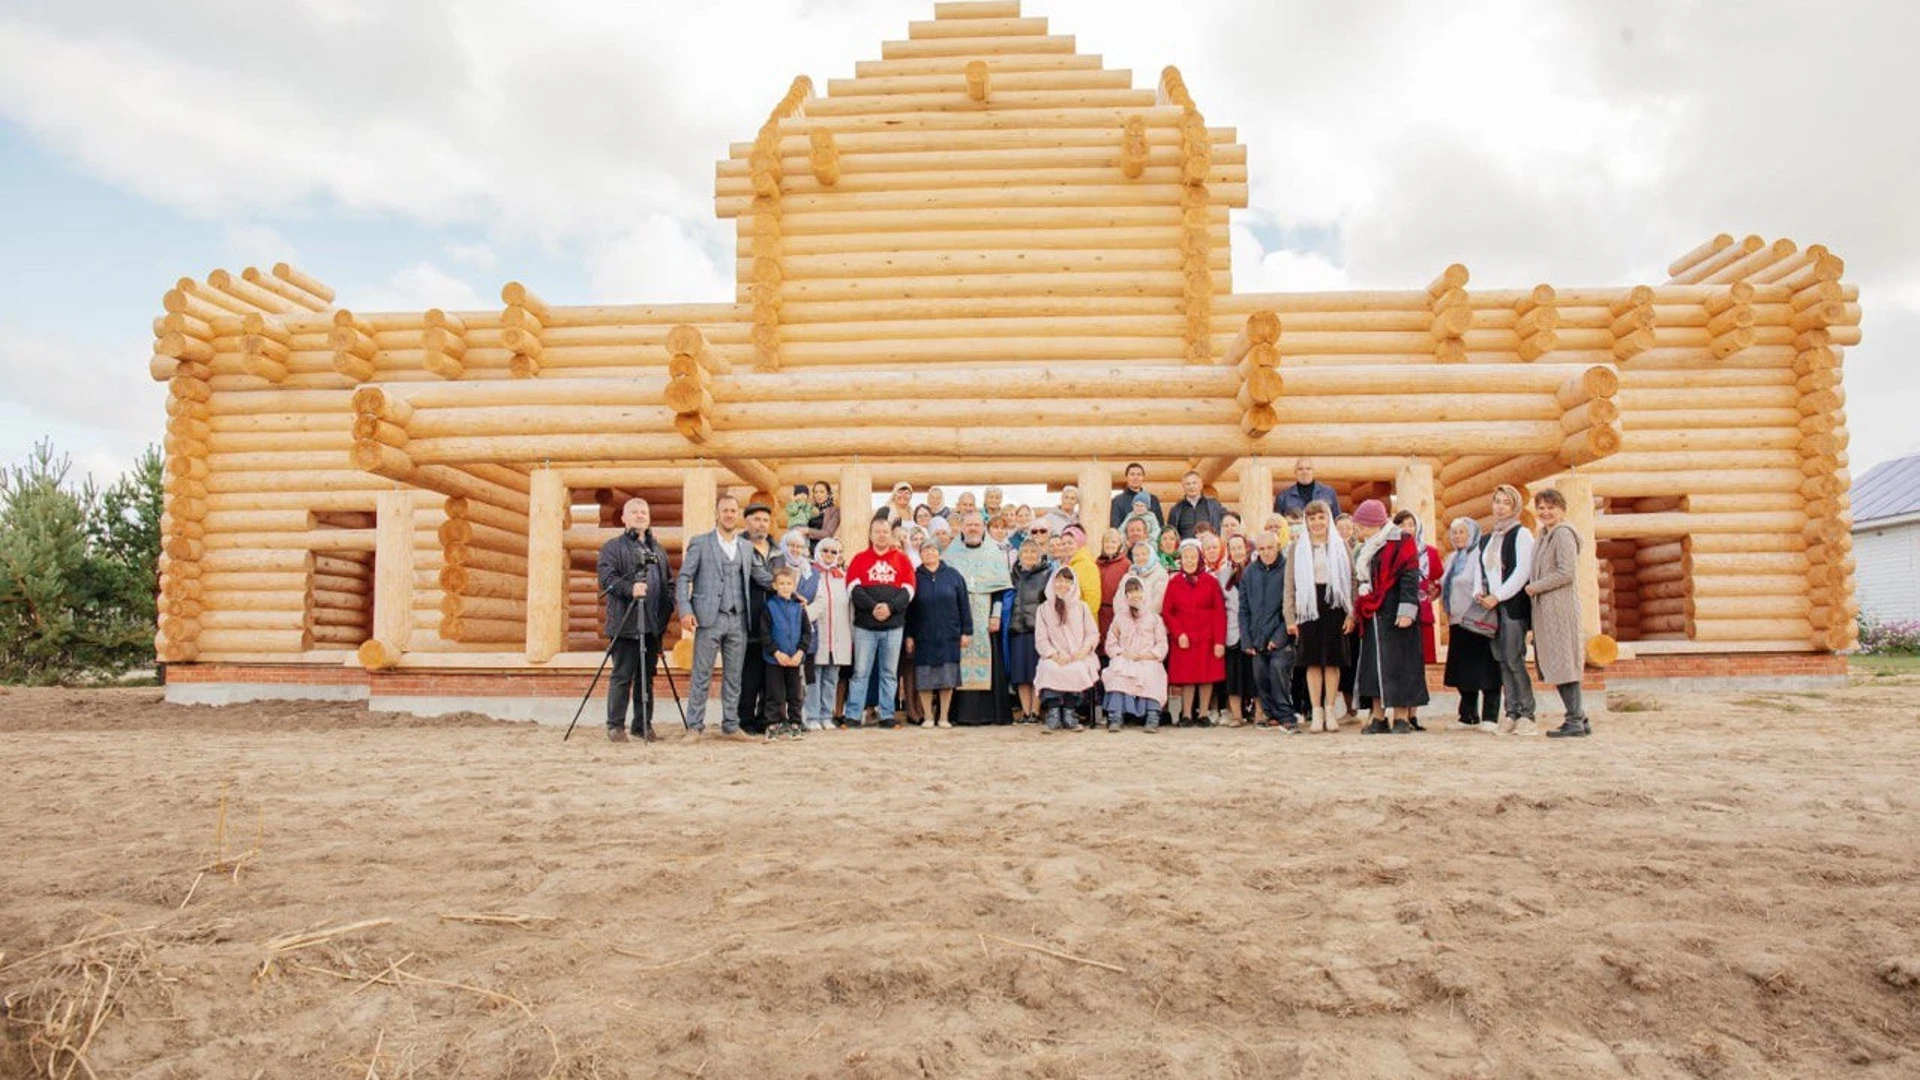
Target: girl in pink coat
x=1136, y=677
x=1065, y=635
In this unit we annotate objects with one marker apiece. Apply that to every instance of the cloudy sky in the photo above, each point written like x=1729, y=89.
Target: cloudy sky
x=419, y=152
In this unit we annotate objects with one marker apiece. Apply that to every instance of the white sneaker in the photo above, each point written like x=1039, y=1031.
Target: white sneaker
x=1483, y=726
x=1461, y=725
x=1507, y=726
x=1528, y=727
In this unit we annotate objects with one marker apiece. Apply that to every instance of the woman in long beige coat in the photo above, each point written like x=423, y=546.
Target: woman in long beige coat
x=1559, y=647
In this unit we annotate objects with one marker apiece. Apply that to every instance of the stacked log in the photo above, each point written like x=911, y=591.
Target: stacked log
x=691, y=365
x=266, y=346
x=483, y=578
x=1134, y=147
x=339, y=598
x=356, y=352
x=1832, y=610
x=445, y=342
x=1196, y=164
x=1632, y=321
x=1255, y=353
x=1452, y=315
x=1623, y=603
x=302, y=290
x=1730, y=320
x=823, y=157
x=521, y=326
x=1536, y=317
x=767, y=172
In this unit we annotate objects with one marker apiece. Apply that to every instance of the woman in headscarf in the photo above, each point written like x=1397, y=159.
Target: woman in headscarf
x=1065, y=638
x=831, y=610
x=1167, y=546
x=1112, y=567
x=1317, y=606
x=1136, y=673
x=1024, y=599
x=1471, y=668
x=1213, y=552
x=939, y=627
x=1145, y=565
x=1195, y=611
x=1387, y=603
x=1559, y=644
x=1236, y=689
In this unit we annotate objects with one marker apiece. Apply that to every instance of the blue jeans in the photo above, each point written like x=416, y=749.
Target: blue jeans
x=821, y=693
x=869, y=647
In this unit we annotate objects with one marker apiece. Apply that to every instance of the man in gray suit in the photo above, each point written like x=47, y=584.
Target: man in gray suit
x=717, y=575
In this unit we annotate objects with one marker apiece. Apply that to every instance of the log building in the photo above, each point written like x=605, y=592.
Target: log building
x=981, y=233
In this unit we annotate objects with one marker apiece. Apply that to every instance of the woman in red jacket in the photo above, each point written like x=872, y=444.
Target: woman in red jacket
x=1195, y=611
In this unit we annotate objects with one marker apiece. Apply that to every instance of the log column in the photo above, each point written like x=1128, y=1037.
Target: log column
x=856, y=507
x=1578, y=489
x=1196, y=235
x=1096, y=501
x=525, y=318
x=393, y=565
x=1413, y=490
x=697, y=494
x=1256, y=494
x=546, y=566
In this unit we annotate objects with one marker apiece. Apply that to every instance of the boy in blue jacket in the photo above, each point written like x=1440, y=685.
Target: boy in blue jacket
x=788, y=634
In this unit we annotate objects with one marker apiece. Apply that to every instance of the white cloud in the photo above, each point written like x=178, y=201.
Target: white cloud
x=478, y=256
x=661, y=259
x=97, y=405
x=252, y=244
x=415, y=288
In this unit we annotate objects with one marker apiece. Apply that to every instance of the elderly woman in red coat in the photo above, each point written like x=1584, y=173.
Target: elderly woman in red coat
x=1195, y=611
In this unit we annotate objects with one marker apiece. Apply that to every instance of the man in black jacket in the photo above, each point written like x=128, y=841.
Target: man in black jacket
x=1194, y=507
x=1263, y=629
x=638, y=585
x=1123, y=499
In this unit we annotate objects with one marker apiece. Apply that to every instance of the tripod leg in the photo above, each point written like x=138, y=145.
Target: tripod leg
x=644, y=707
x=604, y=657
x=675, y=687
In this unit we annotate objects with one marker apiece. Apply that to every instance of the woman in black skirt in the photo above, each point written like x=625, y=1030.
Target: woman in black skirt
x=1237, y=688
x=1391, y=671
x=1472, y=668
x=1317, y=603
x=1029, y=590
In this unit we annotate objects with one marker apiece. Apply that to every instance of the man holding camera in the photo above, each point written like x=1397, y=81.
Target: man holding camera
x=635, y=579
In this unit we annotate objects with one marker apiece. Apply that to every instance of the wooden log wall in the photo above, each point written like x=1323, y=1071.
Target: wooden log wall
x=984, y=192
x=981, y=235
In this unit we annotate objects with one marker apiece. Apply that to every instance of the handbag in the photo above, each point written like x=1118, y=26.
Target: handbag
x=1482, y=621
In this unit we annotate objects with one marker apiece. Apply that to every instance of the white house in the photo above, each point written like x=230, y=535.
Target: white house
x=1886, y=539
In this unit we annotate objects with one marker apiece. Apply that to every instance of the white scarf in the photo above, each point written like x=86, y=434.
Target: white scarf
x=1306, y=598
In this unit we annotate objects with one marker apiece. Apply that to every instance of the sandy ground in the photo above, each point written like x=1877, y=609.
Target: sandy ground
x=1714, y=886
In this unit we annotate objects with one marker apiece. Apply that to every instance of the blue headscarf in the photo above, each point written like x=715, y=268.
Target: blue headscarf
x=1473, y=541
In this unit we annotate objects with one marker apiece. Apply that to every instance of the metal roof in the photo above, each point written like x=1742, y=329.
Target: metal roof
x=1889, y=489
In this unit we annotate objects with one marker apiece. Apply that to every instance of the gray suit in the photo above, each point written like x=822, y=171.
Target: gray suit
x=717, y=591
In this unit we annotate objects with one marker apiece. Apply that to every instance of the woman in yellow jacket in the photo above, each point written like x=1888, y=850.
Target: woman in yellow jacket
x=1072, y=552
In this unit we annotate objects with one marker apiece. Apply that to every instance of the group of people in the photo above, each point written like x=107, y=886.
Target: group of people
x=977, y=614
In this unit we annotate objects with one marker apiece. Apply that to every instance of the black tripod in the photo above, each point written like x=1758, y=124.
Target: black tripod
x=641, y=678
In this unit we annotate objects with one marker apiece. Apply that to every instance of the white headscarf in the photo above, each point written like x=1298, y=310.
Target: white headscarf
x=1306, y=598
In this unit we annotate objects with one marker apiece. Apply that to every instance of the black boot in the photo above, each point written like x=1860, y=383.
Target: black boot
x=1402, y=727
x=1377, y=727
x=1571, y=729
